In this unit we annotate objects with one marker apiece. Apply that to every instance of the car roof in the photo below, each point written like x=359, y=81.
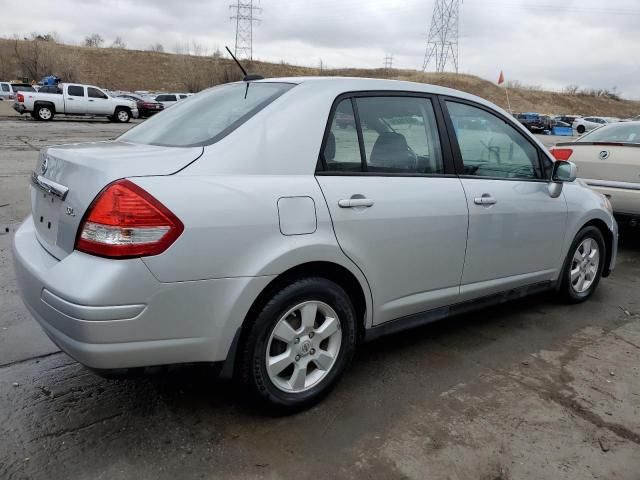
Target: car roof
x=354, y=84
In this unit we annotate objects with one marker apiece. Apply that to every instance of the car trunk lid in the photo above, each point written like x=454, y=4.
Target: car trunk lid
x=69, y=177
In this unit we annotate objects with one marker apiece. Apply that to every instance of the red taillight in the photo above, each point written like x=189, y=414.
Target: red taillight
x=562, y=154
x=125, y=221
x=20, y=97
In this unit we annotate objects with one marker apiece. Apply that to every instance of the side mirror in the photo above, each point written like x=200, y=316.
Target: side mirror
x=564, y=171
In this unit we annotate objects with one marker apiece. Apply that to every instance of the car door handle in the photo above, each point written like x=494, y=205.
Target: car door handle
x=485, y=199
x=355, y=202
x=91, y=100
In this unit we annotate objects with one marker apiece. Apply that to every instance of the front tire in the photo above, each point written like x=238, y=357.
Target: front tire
x=122, y=115
x=299, y=345
x=583, y=265
x=580, y=129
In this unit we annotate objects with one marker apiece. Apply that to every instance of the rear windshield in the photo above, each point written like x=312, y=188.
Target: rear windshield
x=23, y=88
x=207, y=117
x=617, y=132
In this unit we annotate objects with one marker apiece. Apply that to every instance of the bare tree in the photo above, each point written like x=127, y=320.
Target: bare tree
x=34, y=57
x=119, y=43
x=571, y=89
x=94, y=40
x=156, y=47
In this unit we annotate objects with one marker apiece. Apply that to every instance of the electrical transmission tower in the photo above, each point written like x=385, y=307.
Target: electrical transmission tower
x=442, y=43
x=388, y=61
x=244, y=13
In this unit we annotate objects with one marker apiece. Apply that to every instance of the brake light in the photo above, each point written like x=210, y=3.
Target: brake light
x=562, y=154
x=125, y=221
x=20, y=97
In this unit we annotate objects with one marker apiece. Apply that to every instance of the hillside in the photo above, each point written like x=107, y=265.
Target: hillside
x=120, y=69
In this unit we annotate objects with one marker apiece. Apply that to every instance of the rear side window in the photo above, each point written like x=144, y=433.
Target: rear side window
x=207, y=117
x=490, y=147
x=399, y=135
x=5, y=87
x=166, y=98
x=75, y=91
x=341, y=152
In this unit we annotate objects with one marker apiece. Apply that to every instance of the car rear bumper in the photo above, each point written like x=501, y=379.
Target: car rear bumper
x=20, y=108
x=110, y=314
x=624, y=196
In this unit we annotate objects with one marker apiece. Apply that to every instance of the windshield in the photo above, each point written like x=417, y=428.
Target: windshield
x=617, y=132
x=207, y=117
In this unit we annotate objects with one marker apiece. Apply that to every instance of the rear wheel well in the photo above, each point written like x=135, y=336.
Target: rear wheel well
x=331, y=271
x=608, y=241
x=51, y=106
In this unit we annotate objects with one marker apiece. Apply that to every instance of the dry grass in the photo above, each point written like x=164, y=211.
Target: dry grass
x=145, y=70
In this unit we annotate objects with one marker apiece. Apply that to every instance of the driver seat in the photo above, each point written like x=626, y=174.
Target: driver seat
x=391, y=150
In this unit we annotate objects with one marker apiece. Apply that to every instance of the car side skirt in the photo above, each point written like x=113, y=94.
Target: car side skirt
x=424, y=318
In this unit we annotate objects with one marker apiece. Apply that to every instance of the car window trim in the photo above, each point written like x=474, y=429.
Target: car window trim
x=457, y=154
x=445, y=145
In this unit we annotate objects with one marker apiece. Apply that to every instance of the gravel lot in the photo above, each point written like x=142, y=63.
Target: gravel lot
x=532, y=389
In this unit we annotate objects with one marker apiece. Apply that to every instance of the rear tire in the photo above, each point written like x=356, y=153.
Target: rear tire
x=299, y=345
x=44, y=113
x=580, y=129
x=583, y=266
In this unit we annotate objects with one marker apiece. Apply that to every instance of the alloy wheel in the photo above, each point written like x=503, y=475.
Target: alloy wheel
x=584, y=265
x=303, y=346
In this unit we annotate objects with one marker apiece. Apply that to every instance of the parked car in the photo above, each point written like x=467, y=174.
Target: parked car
x=585, y=124
x=248, y=229
x=534, y=122
x=568, y=119
x=73, y=99
x=608, y=160
x=169, y=99
x=8, y=90
x=146, y=107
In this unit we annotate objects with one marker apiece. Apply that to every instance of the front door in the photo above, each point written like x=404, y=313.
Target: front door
x=516, y=228
x=98, y=102
x=396, y=211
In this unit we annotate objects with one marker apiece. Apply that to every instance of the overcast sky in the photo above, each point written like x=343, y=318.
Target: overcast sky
x=591, y=43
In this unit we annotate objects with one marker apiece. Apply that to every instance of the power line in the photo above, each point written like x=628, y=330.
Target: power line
x=244, y=15
x=442, y=41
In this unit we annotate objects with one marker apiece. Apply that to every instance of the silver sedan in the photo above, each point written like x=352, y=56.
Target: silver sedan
x=271, y=226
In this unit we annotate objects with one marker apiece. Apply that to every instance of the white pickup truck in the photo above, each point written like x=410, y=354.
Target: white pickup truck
x=74, y=99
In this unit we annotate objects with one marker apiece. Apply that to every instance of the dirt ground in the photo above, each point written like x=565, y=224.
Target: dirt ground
x=531, y=389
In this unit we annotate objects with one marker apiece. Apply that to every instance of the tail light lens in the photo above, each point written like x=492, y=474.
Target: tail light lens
x=20, y=97
x=562, y=154
x=125, y=221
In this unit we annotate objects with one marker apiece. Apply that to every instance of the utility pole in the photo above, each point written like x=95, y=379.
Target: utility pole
x=442, y=42
x=388, y=61
x=244, y=13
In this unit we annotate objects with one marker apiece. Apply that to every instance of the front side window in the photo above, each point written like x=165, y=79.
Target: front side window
x=5, y=87
x=207, y=117
x=95, y=93
x=399, y=135
x=490, y=147
x=75, y=91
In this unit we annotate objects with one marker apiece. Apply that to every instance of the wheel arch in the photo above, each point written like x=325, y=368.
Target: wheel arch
x=44, y=103
x=357, y=292
x=607, y=234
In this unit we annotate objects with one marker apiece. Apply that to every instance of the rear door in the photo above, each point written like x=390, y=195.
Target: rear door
x=516, y=229
x=76, y=99
x=398, y=210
